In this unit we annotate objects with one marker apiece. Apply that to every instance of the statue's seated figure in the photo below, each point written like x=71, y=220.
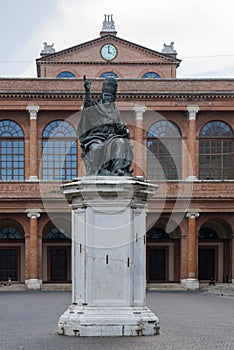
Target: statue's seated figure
x=103, y=137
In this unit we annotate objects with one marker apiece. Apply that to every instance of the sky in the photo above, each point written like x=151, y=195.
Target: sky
x=202, y=31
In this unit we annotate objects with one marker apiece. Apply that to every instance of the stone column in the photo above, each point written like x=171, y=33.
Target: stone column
x=139, y=155
x=33, y=168
x=192, y=113
x=33, y=282
x=192, y=277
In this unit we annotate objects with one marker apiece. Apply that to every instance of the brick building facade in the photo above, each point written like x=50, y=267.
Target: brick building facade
x=182, y=132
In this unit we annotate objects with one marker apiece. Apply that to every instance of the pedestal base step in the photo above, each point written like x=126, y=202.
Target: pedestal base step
x=190, y=283
x=33, y=284
x=106, y=321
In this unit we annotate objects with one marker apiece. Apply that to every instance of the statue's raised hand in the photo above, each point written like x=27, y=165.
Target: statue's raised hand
x=87, y=84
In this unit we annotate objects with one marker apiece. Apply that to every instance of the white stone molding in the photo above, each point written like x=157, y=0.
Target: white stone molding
x=192, y=215
x=33, y=110
x=139, y=110
x=33, y=213
x=190, y=283
x=192, y=112
x=191, y=178
x=32, y=178
x=33, y=284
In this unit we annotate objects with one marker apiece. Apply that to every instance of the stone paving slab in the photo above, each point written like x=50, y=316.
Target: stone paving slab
x=189, y=320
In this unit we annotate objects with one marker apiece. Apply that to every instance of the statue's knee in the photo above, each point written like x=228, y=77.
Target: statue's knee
x=120, y=142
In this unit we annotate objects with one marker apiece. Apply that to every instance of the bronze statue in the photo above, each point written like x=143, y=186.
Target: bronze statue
x=103, y=137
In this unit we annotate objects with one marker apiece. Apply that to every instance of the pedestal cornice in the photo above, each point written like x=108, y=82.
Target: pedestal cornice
x=90, y=190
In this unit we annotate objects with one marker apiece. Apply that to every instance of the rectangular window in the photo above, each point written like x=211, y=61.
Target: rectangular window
x=57, y=160
x=216, y=159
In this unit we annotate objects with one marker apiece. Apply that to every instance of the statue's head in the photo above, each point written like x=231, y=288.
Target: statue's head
x=109, y=89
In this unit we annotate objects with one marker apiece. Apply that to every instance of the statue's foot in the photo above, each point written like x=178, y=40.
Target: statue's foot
x=104, y=172
x=125, y=172
x=129, y=172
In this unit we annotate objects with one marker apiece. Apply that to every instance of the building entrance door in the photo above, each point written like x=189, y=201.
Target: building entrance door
x=58, y=264
x=8, y=264
x=157, y=264
x=206, y=261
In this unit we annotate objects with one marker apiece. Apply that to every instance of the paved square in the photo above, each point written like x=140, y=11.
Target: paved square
x=189, y=320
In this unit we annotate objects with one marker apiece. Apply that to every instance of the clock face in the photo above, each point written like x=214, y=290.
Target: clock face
x=108, y=52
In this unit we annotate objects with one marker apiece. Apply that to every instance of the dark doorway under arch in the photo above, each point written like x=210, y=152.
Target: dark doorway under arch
x=11, y=242
x=214, y=257
x=57, y=251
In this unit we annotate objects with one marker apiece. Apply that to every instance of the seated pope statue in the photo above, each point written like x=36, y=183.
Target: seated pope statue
x=104, y=139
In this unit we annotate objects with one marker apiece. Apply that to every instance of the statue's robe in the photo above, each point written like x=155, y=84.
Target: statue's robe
x=104, y=140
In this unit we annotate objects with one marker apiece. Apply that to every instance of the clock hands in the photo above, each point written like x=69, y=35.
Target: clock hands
x=108, y=52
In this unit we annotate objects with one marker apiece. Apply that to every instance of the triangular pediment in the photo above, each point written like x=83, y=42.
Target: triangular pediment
x=127, y=51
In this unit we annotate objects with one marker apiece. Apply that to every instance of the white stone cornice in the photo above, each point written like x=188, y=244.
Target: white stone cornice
x=192, y=112
x=139, y=110
x=33, y=110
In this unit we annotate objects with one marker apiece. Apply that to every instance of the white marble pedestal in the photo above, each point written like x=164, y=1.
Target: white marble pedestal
x=108, y=258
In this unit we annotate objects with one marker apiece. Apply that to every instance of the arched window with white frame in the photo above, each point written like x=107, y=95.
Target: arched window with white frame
x=11, y=151
x=216, y=141
x=164, y=151
x=59, y=158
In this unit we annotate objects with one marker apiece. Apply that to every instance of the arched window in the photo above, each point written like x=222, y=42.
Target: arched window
x=10, y=229
x=164, y=151
x=108, y=74
x=11, y=151
x=216, y=151
x=9, y=233
x=56, y=234
x=150, y=75
x=208, y=233
x=59, y=161
x=157, y=233
x=65, y=74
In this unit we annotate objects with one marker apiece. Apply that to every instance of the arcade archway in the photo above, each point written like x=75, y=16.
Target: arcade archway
x=214, y=252
x=163, y=254
x=12, y=254
x=57, y=252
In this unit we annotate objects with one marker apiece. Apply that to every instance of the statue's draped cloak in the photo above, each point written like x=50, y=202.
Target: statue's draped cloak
x=97, y=115
x=104, y=139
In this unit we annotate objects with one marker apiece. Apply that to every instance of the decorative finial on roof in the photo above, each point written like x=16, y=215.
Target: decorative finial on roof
x=169, y=49
x=108, y=26
x=48, y=49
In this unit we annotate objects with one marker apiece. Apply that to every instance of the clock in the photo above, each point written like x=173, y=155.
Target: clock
x=108, y=52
